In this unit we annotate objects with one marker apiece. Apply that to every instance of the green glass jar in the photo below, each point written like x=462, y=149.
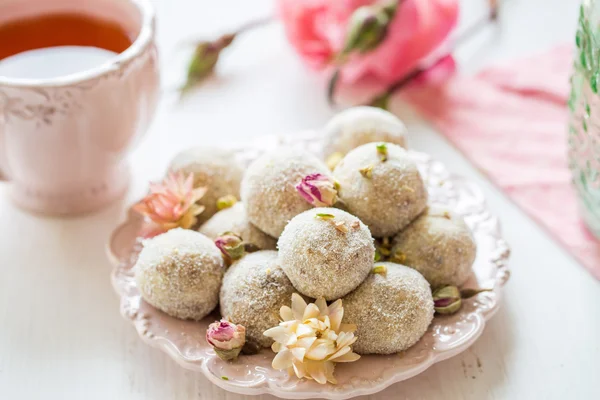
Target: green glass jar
x=584, y=122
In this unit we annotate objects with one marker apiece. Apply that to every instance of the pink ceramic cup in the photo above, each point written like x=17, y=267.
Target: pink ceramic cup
x=63, y=141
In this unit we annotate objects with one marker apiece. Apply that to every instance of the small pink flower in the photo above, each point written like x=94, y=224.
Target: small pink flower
x=226, y=338
x=318, y=189
x=170, y=204
x=231, y=245
x=318, y=29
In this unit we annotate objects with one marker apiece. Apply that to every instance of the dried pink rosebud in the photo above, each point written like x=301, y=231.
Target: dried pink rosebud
x=231, y=245
x=446, y=300
x=226, y=338
x=318, y=189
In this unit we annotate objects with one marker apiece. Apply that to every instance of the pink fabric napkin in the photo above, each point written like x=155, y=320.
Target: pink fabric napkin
x=511, y=122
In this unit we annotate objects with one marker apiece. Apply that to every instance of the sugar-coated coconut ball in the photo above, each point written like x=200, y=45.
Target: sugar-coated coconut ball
x=392, y=310
x=361, y=125
x=439, y=245
x=326, y=252
x=254, y=289
x=381, y=185
x=233, y=219
x=269, y=188
x=180, y=272
x=214, y=168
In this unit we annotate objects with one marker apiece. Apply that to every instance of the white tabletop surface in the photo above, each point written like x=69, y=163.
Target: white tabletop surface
x=61, y=335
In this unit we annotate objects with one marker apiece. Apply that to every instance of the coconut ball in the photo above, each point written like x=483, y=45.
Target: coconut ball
x=214, y=168
x=392, y=310
x=385, y=195
x=439, y=245
x=269, y=187
x=254, y=289
x=180, y=272
x=326, y=252
x=233, y=219
x=361, y=125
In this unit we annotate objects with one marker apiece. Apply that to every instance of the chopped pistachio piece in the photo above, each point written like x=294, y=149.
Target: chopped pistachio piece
x=399, y=257
x=377, y=256
x=382, y=151
x=367, y=171
x=324, y=216
x=380, y=269
x=226, y=202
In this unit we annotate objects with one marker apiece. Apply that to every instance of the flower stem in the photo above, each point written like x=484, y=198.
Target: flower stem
x=206, y=53
x=468, y=33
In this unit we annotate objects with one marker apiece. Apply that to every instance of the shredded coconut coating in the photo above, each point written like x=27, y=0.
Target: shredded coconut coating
x=269, y=188
x=440, y=246
x=391, y=197
x=392, y=311
x=233, y=219
x=320, y=259
x=254, y=290
x=180, y=272
x=361, y=125
x=214, y=168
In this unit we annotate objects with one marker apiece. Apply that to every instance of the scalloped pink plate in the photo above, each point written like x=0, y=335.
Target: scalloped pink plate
x=252, y=375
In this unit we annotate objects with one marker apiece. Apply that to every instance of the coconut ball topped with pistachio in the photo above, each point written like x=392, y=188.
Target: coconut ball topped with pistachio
x=361, y=125
x=439, y=245
x=180, y=273
x=381, y=185
x=392, y=309
x=283, y=183
x=254, y=290
x=216, y=169
x=326, y=252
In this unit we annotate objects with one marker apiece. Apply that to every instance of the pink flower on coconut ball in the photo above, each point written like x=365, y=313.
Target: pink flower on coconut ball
x=318, y=30
x=318, y=189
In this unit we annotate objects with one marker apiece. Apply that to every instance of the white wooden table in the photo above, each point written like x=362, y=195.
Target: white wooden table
x=61, y=335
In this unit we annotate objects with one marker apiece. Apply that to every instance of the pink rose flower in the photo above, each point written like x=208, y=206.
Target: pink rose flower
x=231, y=245
x=317, y=30
x=318, y=189
x=226, y=338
